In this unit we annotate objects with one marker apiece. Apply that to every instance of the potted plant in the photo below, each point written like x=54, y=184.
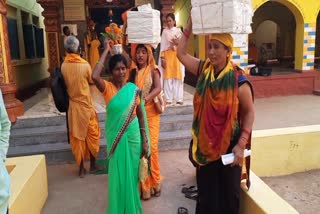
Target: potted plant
x=114, y=33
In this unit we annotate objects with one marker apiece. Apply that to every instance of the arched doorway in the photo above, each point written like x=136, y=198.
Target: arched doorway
x=317, y=46
x=273, y=38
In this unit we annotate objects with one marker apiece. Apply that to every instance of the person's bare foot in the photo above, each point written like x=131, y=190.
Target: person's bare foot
x=96, y=168
x=82, y=172
x=169, y=104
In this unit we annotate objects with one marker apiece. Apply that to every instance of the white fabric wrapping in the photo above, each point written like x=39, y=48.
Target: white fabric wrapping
x=144, y=27
x=221, y=16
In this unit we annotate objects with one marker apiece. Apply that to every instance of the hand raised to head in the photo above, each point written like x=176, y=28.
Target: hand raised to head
x=106, y=43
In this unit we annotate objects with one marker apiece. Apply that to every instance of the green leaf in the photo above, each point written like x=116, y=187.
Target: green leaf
x=109, y=35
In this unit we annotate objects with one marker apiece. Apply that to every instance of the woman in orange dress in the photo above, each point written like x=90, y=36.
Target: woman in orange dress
x=222, y=123
x=146, y=76
x=94, y=50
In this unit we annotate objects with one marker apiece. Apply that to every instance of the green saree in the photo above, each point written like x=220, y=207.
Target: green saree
x=124, y=142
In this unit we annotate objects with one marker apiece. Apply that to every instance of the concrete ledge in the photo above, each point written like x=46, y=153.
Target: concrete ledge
x=29, y=186
x=285, y=151
x=261, y=199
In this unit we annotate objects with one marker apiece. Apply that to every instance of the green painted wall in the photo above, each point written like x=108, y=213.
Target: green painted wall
x=27, y=72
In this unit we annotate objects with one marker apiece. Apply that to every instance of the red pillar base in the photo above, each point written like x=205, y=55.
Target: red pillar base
x=13, y=105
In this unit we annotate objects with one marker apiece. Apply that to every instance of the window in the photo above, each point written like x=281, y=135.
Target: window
x=28, y=37
x=31, y=33
x=13, y=39
x=38, y=32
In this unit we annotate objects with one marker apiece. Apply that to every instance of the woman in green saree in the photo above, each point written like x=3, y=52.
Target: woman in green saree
x=126, y=134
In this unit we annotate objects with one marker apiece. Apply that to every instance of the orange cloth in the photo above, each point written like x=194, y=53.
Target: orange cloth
x=133, y=50
x=144, y=81
x=153, y=181
x=81, y=149
x=110, y=90
x=74, y=58
x=173, y=69
x=94, y=55
x=77, y=75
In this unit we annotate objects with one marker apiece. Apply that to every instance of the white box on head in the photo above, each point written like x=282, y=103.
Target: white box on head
x=221, y=16
x=144, y=26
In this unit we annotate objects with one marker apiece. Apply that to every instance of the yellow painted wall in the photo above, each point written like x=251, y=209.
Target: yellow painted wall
x=305, y=13
x=261, y=199
x=308, y=9
x=28, y=71
x=29, y=185
x=286, y=150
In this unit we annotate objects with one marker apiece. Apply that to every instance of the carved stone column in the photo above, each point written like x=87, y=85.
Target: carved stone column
x=167, y=7
x=14, y=106
x=52, y=28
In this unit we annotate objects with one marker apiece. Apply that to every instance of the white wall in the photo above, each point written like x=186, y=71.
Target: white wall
x=266, y=33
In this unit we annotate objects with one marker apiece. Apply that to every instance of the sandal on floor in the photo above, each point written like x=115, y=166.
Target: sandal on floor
x=182, y=210
x=190, y=189
x=96, y=169
x=192, y=195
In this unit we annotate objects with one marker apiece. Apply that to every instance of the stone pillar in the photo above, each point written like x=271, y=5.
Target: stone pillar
x=14, y=106
x=167, y=7
x=52, y=28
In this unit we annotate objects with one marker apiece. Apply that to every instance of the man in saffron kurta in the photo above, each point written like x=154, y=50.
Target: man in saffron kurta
x=82, y=118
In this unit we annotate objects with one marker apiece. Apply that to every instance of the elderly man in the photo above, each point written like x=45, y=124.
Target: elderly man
x=4, y=144
x=82, y=118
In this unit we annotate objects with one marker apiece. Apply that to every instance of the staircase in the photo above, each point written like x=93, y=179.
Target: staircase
x=48, y=135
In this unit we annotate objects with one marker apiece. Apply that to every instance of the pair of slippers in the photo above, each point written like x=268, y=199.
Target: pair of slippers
x=190, y=192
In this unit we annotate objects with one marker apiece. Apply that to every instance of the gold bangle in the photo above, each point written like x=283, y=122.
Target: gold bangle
x=100, y=63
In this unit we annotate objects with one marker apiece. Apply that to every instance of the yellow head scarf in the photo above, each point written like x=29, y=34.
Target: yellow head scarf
x=224, y=38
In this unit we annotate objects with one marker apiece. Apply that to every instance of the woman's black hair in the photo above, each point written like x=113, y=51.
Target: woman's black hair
x=172, y=16
x=115, y=59
x=141, y=46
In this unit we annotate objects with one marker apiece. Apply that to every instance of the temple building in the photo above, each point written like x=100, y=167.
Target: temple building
x=285, y=37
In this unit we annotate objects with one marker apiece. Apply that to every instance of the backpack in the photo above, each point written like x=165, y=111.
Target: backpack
x=59, y=91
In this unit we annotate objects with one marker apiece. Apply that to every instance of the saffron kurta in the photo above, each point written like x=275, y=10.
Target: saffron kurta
x=83, y=120
x=94, y=52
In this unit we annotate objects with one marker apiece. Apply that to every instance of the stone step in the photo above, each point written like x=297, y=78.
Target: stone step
x=25, y=122
x=58, y=133
x=55, y=153
x=41, y=135
x=176, y=122
x=60, y=152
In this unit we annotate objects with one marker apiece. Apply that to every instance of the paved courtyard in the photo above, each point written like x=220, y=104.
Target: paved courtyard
x=69, y=194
